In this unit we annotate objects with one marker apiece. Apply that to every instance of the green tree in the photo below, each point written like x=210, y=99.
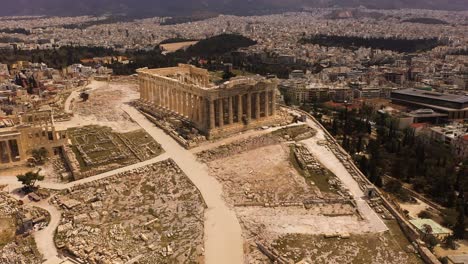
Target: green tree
x=29, y=179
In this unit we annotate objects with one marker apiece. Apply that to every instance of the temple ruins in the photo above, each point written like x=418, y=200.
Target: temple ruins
x=233, y=106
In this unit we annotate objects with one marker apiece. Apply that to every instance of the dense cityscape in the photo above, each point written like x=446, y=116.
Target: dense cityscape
x=320, y=135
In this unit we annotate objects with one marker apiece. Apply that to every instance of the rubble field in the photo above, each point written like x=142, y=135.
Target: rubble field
x=294, y=133
x=56, y=169
x=261, y=176
x=17, y=222
x=98, y=149
x=386, y=248
x=152, y=214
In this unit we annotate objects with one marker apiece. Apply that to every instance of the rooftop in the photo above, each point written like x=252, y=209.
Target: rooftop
x=436, y=228
x=434, y=95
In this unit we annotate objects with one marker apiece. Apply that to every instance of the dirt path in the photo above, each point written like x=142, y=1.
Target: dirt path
x=45, y=237
x=223, y=235
x=329, y=160
x=12, y=181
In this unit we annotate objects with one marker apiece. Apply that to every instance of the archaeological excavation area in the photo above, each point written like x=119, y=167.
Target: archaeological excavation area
x=153, y=214
x=292, y=208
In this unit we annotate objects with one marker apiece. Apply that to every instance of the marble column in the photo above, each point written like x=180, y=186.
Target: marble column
x=230, y=112
x=144, y=94
x=267, y=103
x=8, y=151
x=197, y=109
x=220, y=112
x=153, y=92
x=191, y=107
x=212, y=114
x=158, y=95
x=273, y=102
x=249, y=107
x=178, y=101
x=171, y=98
x=163, y=95
x=257, y=105
x=184, y=104
x=147, y=91
x=174, y=99
x=239, y=108
x=201, y=110
x=140, y=83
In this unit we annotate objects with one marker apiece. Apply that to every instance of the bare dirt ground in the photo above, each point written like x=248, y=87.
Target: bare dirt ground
x=13, y=171
x=55, y=170
x=171, y=47
x=415, y=208
x=357, y=249
x=104, y=106
x=442, y=252
x=262, y=175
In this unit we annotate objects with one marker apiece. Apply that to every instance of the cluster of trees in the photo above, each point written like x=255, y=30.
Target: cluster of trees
x=216, y=46
x=394, y=44
x=213, y=48
x=55, y=58
x=426, y=20
x=382, y=149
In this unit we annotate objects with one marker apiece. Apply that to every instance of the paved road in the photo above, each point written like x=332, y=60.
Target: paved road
x=223, y=235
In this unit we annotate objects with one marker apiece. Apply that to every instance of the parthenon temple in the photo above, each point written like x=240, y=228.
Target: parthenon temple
x=235, y=105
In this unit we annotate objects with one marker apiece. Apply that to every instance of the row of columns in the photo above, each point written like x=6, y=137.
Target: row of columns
x=240, y=108
x=7, y=154
x=218, y=114
x=166, y=96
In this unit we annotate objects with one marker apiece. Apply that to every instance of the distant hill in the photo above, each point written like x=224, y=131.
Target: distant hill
x=147, y=8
